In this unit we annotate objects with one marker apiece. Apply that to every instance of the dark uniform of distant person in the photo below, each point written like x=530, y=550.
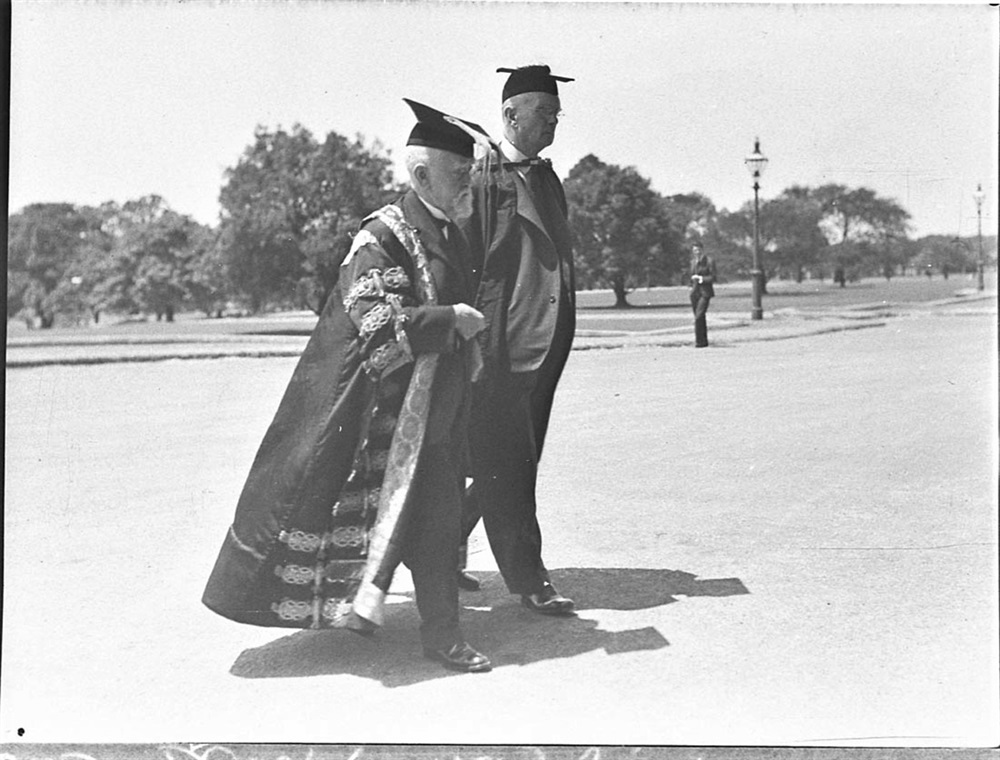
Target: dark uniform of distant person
x=363, y=465
x=527, y=296
x=702, y=292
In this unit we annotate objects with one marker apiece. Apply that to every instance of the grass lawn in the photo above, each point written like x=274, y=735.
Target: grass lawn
x=651, y=309
x=811, y=294
x=662, y=308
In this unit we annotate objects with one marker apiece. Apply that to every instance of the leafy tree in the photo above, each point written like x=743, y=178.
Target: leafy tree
x=43, y=242
x=730, y=241
x=288, y=208
x=133, y=258
x=78, y=295
x=621, y=226
x=695, y=218
x=349, y=181
x=17, y=290
x=790, y=238
x=161, y=249
x=93, y=264
x=206, y=278
x=945, y=253
x=863, y=229
x=147, y=266
x=791, y=233
x=733, y=241
x=850, y=231
x=108, y=265
x=263, y=210
x=692, y=215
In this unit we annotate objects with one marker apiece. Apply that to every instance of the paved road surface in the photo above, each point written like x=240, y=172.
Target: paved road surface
x=790, y=542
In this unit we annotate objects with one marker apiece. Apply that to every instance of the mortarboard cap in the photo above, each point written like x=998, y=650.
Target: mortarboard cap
x=530, y=79
x=435, y=129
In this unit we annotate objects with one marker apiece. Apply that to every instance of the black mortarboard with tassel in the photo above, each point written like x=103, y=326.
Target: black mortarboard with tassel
x=535, y=78
x=435, y=129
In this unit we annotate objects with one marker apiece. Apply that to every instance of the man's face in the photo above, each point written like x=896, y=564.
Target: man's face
x=536, y=115
x=450, y=185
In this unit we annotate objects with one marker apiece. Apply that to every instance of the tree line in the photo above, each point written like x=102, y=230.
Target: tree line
x=291, y=204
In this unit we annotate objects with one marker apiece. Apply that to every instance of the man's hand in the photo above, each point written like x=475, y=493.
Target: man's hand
x=468, y=321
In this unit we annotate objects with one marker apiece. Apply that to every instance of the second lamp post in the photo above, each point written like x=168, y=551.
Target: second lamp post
x=755, y=163
x=979, y=196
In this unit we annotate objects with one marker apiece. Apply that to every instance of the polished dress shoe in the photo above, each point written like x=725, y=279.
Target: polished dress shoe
x=460, y=657
x=467, y=581
x=548, y=601
x=361, y=626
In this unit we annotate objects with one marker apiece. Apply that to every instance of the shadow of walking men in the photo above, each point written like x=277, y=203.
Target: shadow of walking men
x=515, y=636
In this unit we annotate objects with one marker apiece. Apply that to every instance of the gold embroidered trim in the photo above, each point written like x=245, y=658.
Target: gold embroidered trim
x=292, y=609
x=296, y=575
x=367, y=285
x=351, y=535
x=243, y=546
x=387, y=357
x=375, y=318
x=300, y=541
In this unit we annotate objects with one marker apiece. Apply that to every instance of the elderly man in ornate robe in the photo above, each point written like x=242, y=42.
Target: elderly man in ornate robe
x=363, y=465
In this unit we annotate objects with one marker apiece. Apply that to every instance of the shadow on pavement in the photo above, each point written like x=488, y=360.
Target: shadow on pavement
x=629, y=588
x=495, y=622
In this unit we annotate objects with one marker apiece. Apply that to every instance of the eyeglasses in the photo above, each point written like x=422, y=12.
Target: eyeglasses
x=549, y=113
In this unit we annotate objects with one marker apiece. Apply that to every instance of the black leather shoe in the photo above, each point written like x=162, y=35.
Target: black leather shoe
x=357, y=624
x=461, y=657
x=548, y=601
x=467, y=581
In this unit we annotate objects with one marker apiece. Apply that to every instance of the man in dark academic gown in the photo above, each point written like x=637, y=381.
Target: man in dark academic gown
x=364, y=463
x=527, y=296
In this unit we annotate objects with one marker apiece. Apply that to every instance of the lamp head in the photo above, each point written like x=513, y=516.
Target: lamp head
x=756, y=161
x=979, y=196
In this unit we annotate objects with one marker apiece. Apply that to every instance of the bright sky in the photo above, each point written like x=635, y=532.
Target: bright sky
x=115, y=100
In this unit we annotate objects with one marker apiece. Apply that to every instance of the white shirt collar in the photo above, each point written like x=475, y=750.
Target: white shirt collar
x=437, y=214
x=510, y=152
x=435, y=211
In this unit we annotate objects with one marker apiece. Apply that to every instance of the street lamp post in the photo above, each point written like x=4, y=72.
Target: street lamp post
x=979, y=196
x=756, y=162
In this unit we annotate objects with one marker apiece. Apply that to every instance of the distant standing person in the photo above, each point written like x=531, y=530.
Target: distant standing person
x=702, y=291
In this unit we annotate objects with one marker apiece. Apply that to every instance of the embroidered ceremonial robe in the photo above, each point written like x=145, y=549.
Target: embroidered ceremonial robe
x=317, y=527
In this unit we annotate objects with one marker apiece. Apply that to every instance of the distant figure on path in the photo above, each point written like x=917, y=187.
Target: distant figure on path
x=702, y=291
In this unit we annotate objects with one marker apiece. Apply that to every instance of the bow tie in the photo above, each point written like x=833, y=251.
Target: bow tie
x=526, y=163
x=444, y=225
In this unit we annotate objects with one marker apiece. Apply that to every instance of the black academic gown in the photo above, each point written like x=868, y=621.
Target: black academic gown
x=511, y=410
